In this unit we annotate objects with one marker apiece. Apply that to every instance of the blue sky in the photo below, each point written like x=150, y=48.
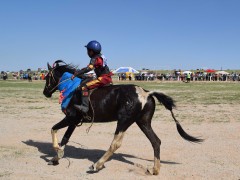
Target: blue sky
x=154, y=34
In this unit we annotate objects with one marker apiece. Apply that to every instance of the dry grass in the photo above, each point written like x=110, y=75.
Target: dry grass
x=209, y=110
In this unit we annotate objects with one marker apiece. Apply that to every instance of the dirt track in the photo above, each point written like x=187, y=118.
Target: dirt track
x=26, y=145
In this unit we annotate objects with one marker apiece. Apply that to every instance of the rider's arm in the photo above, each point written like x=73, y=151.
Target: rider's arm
x=79, y=73
x=98, y=62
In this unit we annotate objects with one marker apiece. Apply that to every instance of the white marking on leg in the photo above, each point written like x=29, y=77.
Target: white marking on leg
x=116, y=143
x=156, y=167
x=54, y=139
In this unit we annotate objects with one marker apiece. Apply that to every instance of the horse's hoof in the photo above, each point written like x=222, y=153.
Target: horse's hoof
x=148, y=172
x=93, y=168
x=53, y=163
x=152, y=172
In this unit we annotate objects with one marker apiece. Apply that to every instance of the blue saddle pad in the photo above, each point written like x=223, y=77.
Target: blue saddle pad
x=67, y=86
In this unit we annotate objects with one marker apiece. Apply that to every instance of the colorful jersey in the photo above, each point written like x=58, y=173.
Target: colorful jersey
x=99, y=64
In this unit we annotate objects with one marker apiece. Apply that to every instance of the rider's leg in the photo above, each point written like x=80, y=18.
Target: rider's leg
x=99, y=82
x=84, y=107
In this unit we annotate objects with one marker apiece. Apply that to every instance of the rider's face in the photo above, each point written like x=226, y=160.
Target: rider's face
x=90, y=53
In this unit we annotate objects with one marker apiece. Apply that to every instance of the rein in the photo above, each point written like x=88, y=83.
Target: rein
x=88, y=129
x=87, y=117
x=60, y=83
x=49, y=85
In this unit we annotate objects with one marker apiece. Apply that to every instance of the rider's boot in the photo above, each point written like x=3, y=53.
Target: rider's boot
x=84, y=107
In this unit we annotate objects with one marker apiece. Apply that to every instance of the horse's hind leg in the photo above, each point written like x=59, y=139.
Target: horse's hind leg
x=145, y=126
x=116, y=143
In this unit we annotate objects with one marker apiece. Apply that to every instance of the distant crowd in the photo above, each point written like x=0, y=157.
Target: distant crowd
x=201, y=76
x=146, y=76
x=24, y=75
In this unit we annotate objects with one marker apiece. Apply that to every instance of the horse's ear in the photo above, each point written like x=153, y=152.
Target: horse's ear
x=49, y=67
x=57, y=62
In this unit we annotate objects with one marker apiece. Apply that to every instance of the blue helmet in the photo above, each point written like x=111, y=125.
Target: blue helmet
x=95, y=46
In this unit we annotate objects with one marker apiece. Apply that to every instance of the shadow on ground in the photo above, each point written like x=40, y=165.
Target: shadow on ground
x=92, y=155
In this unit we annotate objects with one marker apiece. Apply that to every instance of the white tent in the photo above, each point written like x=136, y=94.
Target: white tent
x=125, y=69
x=221, y=72
x=187, y=72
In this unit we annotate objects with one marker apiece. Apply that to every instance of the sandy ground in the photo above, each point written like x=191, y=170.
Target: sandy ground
x=25, y=145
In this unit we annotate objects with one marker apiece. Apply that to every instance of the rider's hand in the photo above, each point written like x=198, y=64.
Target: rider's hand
x=74, y=75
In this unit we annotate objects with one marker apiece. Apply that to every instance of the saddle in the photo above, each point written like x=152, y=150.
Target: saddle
x=89, y=116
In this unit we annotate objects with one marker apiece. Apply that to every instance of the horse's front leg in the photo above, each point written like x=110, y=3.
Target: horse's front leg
x=54, y=139
x=62, y=124
x=60, y=149
x=65, y=139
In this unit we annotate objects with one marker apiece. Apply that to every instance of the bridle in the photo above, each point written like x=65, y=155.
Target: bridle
x=50, y=74
x=48, y=86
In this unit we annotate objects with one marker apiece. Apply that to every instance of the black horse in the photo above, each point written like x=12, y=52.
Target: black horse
x=126, y=104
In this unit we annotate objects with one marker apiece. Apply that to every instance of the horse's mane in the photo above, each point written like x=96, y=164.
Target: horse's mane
x=62, y=67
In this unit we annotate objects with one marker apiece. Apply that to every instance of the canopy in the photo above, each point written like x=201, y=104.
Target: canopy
x=187, y=72
x=221, y=72
x=210, y=70
x=125, y=69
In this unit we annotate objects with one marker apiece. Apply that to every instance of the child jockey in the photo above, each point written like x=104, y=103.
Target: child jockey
x=99, y=65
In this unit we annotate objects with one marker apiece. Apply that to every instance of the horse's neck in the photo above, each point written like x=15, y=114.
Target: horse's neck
x=61, y=71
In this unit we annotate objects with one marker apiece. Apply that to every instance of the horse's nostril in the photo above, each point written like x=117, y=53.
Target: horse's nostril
x=46, y=93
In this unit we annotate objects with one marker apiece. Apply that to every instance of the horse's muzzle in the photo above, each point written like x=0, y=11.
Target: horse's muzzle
x=46, y=93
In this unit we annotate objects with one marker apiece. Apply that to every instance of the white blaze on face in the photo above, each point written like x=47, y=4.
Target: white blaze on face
x=142, y=95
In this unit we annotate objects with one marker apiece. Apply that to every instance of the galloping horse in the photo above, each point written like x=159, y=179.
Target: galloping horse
x=126, y=104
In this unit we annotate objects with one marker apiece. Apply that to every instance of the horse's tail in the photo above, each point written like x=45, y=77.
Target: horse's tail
x=169, y=104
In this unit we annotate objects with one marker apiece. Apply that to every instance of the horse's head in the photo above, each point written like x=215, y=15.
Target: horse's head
x=54, y=74
x=51, y=81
